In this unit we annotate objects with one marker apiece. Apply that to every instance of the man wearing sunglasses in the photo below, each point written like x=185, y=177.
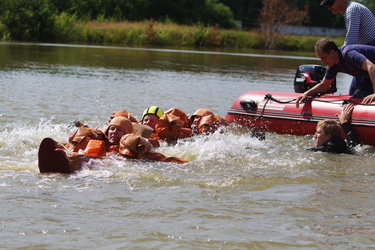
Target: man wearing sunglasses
x=359, y=21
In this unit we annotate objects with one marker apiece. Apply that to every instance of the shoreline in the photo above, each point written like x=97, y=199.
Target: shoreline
x=174, y=50
x=164, y=35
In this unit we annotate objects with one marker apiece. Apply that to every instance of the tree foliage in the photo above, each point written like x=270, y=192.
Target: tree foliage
x=276, y=13
x=30, y=20
x=248, y=12
x=44, y=20
x=369, y=4
x=209, y=12
x=321, y=16
x=41, y=19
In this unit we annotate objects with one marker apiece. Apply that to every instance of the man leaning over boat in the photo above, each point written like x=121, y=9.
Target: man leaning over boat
x=355, y=60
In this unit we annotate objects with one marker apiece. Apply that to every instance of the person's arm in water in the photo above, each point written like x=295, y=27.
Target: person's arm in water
x=370, y=68
x=320, y=87
x=345, y=121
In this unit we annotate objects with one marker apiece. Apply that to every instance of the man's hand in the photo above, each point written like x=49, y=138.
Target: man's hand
x=346, y=113
x=301, y=98
x=368, y=99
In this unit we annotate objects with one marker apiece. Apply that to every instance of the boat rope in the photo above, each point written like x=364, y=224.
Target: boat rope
x=357, y=103
x=270, y=97
x=344, y=101
x=264, y=107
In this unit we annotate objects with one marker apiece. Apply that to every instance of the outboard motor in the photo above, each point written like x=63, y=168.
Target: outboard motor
x=249, y=105
x=307, y=76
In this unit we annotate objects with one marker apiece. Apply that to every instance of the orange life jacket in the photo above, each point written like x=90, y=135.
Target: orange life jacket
x=136, y=147
x=95, y=148
x=156, y=156
x=180, y=114
x=81, y=137
x=125, y=114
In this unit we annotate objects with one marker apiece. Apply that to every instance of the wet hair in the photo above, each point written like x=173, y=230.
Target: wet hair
x=330, y=127
x=326, y=45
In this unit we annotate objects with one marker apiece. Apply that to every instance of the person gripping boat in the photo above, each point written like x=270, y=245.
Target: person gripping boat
x=328, y=134
x=355, y=60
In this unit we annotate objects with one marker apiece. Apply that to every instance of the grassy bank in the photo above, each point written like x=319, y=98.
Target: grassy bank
x=168, y=34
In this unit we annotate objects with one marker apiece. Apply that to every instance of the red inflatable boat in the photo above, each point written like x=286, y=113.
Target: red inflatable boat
x=277, y=112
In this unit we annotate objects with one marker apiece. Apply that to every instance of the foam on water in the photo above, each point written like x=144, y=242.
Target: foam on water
x=223, y=156
x=235, y=192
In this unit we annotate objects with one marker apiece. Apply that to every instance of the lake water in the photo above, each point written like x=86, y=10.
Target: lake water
x=235, y=193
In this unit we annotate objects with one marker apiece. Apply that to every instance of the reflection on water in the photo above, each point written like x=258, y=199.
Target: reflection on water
x=236, y=191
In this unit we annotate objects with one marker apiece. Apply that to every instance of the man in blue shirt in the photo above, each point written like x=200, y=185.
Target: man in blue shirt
x=359, y=22
x=355, y=60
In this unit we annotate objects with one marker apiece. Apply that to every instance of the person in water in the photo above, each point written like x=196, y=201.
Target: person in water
x=123, y=113
x=118, y=127
x=52, y=158
x=345, y=121
x=133, y=146
x=204, y=121
x=125, y=136
x=151, y=115
x=355, y=60
x=328, y=134
x=173, y=125
x=111, y=135
x=202, y=127
x=85, y=143
x=328, y=137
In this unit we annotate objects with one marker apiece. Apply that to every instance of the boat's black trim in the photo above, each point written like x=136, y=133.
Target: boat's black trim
x=297, y=117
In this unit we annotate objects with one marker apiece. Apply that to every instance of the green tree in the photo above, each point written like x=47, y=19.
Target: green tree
x=275, y=14
x=245, y=11
x=218, y=13
x=321, y=16
x=30, y=20
x=209, y=12
x=369, y=4
x=248, y=12
x=62, y=6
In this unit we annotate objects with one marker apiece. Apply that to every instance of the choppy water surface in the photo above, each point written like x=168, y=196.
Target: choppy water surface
x=236, y=191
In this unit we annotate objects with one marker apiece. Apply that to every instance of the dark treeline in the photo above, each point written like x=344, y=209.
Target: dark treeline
x=192, y=11
x=178, y=11
x=248, y=12
x=41, y=19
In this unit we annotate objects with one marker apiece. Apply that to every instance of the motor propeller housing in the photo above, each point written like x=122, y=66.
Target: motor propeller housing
x=307, y=76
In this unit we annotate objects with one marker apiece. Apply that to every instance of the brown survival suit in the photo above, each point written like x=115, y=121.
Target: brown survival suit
x=53, y=159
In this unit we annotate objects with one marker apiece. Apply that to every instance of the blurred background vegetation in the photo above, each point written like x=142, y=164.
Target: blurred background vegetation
x=164, y=22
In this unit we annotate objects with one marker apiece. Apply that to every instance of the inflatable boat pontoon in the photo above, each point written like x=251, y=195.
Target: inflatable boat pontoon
x=277, y=112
